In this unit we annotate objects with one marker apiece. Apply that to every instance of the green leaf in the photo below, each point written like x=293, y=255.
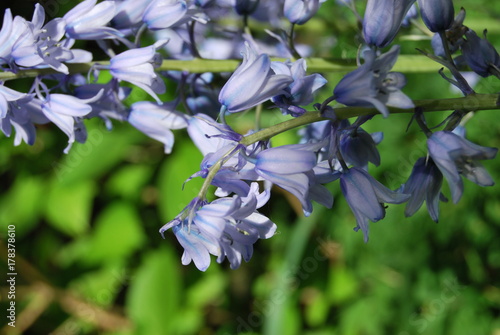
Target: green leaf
x=154, y=296
x=118, y=233
x=69, y=206
x=22, y=204
x=128, y=181
x=342, y=284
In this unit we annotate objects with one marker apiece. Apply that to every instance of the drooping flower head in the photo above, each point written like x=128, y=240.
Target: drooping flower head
x=480, y=55
x=372, y=85
x=226, y=227
x=455, y=156
x=252, y=83
x=424, y=183
x=136, y=66
x=366, y=197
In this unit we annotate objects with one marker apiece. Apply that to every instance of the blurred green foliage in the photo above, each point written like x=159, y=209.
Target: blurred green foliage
x=87, y=227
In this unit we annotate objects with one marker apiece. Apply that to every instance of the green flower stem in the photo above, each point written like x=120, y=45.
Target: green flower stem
x=405, y=63
x=473, y=102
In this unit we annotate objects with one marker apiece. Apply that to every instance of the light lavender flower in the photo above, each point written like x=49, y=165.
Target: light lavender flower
x=252, y=83
x=455, y=156
x=157, y=121
x=136, y=67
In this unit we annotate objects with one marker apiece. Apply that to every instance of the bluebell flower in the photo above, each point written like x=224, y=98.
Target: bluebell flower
x=455, y=156
x=110, y=105
x=366, y=197
x=300, y=11
x=161, y=14
x=372, y=85
x=383, y=19
x=301, y=91
x=480, y=55
x=41, y=45
x=88, y=20
x=438, y=15
x=136, y=66
x=454, y=37
x=227, y=228
x=252, y=83
x=244, y=228
x=9, y=97
x=358, y=147
x=424, y=183
x=157, y=121
x=291, y=168
x=62, y=110
x=20, y=111
x=245, y=7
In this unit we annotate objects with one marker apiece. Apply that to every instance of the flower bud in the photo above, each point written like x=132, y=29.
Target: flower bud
x=438, y=15
x=383, y=19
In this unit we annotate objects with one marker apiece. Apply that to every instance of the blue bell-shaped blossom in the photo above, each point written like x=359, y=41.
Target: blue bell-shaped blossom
x=252, y=83
x=157, y=121
x=245, y=7
x=366, y=197
x=438, y=15
x=358, y=147
x=62, y=110
x=424, y=183
x=88, y=20
x=480, y=55
x=372, y=85
x=227, y=227
x=136, y=66
x=383, y=19
x=300, y=11
x=291, y=168
x=455, y=156
x=301, y=91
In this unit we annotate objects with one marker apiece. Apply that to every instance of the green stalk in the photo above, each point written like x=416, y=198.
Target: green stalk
x=473, y=102
x=405, y=63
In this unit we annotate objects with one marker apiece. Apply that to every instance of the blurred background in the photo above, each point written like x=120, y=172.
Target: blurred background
x=90, y=260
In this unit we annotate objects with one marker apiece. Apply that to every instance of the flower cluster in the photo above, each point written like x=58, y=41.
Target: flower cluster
x=245, y=167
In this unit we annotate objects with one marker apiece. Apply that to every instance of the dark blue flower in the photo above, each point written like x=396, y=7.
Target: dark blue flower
x=383, y=19
x=455, y=156
x=366, y=197
x=358, y=147
x=424, y=183
x=480, y=55
x=438, y=15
